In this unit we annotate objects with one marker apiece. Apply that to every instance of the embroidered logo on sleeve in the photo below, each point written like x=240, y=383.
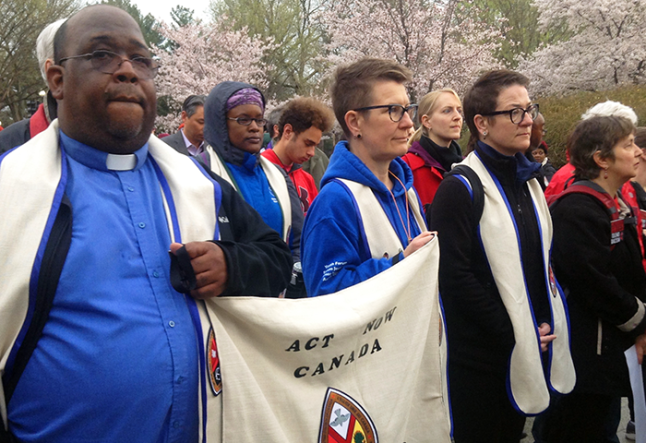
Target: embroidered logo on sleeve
x=332, y=269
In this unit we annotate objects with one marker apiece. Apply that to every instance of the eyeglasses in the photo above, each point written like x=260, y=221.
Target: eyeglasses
x=108, y=62
x=517, y=115
x=395, y=112
x=246, y=121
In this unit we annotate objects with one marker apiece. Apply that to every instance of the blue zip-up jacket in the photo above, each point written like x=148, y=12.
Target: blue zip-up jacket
x=334, y=251
x=244, y=167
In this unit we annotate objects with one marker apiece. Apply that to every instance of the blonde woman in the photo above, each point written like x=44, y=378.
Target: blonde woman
x=433, y=149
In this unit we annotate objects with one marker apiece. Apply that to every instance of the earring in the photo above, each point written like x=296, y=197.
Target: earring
x=358, y=135
x=484, y=134
x=605, y=173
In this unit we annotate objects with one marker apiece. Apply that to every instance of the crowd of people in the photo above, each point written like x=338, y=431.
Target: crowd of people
x=541, y=296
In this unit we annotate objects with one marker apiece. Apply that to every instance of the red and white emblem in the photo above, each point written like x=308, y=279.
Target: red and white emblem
x=345, y=421
x=213, y=364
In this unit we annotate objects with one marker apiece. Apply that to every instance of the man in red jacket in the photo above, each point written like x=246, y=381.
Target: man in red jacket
x=300, y=128
x=23, y=130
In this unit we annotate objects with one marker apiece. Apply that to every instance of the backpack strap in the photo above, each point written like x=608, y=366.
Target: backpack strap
x=474, y=185
x=612, y=208
x=568, y=182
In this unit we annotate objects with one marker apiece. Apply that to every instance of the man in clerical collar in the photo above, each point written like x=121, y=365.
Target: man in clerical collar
x=101, y=339
x=189, y=139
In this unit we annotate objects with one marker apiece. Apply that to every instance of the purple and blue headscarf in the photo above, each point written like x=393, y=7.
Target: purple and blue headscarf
x=245, y=96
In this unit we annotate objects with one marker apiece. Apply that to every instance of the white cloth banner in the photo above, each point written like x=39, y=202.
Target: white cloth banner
x=362, y=365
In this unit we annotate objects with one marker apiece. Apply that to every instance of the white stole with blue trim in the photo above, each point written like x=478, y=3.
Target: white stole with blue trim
x=382, y=241
x=527, y=385
x=276, y=182
x=30, y=193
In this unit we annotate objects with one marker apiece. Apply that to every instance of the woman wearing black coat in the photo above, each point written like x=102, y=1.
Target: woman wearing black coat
x=598, y=263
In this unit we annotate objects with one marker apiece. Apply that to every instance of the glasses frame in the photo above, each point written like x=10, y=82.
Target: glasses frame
x=260, y=122
x=135, y=62
x=530, y=109
x=390, y=110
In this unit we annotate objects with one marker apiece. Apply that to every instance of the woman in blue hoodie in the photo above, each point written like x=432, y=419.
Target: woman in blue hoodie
x=367, y=216
x=234, y=126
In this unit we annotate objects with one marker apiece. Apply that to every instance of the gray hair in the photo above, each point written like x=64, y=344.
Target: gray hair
x=191, y=104
x=610, y=108
x=273, y=119
x=45, y=45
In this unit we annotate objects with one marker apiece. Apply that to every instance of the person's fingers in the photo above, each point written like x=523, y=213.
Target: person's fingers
x=640, y=354
x=175, y=246
x=209, y=291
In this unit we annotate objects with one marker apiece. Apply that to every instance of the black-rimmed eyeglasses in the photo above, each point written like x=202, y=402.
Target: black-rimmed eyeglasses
x=108, y=62
x=517, y=115
x=395, y=112
x=246, y=121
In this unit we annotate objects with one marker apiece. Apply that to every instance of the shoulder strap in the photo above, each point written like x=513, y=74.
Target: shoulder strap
x=474, y=185
x=582, y=188
x=616, y=225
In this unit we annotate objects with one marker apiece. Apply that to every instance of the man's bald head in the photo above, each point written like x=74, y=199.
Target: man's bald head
x=537, y=131
x=110, y=111
x=93, y=10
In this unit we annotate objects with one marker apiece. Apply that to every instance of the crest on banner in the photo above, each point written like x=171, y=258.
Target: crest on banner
x=213, y=364
x=345, y=421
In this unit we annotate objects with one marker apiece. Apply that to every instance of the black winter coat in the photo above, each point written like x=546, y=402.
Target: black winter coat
x=604, y=289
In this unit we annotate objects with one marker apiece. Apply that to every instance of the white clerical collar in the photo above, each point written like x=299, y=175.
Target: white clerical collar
x=100, y=160
x=121, y=162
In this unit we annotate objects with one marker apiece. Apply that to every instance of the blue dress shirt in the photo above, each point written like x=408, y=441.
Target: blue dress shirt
x=117, y=361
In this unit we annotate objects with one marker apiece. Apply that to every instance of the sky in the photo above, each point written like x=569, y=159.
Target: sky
x=161, y=8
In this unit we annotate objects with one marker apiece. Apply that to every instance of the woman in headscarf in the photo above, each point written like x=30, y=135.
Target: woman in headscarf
x=234, y=126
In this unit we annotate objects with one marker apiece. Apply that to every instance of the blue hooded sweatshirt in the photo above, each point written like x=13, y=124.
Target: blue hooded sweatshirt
x=249, y=178
x=334, y=251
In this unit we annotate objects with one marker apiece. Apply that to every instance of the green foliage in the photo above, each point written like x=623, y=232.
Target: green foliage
x=182, y=16
x=292, y=66
x=21, y=21
x=517, y=21
x=563, y=113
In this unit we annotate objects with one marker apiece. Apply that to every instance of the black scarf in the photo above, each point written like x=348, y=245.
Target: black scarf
x=444, y=156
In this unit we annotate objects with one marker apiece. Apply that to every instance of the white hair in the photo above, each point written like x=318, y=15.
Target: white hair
x=45, y=45
x=610, y=108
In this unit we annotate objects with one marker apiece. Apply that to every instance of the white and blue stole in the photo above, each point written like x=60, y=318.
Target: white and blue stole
x=527, y=384
x=32, y=186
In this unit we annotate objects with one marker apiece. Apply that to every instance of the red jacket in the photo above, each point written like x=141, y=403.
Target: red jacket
x=563, y=176
x=427, y=172
x=302, y=180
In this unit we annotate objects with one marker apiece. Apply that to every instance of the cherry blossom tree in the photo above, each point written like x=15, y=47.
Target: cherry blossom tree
x=608, y=47
x=442, y=45
x=200, y=57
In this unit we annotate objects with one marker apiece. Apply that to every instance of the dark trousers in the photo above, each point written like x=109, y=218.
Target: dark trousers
x=582, y=417
x=542, y=422
x=481, y=410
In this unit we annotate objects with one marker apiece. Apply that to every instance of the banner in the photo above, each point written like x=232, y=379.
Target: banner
x=366, y=364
